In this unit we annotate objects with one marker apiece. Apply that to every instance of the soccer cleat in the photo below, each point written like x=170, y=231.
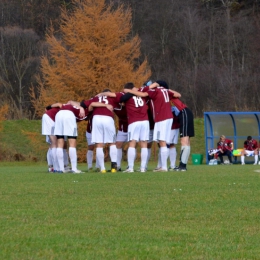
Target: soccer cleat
x=180, y=169
x=119, y=169
x=142, y=170
x=255, y=163
x=259, y=163
x=242, y=163
x=113, y=170
x=50, y=169
x=171, y=169
x=157, y=169
x=129, y=170
x=67, y=168
x=77, y=172
x=90, y=169
x=103, y=171
x=58, y=171
x=97, y=170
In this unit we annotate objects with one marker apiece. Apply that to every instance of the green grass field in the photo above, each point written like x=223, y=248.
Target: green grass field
x=208, y=212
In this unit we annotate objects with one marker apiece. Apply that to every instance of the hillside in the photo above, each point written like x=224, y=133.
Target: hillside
x=21, y=140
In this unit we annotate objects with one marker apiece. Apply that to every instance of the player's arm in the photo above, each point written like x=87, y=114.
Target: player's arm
x=107, y=94
x=99, y=104
x=53, y=105
x=74, y=103
x=175, y=93
x=136, y=93
x=154, y=85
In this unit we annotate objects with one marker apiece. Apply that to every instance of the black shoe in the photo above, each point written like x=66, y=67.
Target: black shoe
x=180, y=169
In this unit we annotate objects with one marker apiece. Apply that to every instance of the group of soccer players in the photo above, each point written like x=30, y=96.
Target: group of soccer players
x=152, y=113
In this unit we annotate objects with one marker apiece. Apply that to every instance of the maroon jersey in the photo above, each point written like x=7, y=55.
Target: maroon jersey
x=224, y=146
x=74, y=110
x=175, y=122
x=122, y=118
x=160, y=103
x=103, y=111
x=136, y=109
x=178, y=103
x=250, y=145
x=52, y=112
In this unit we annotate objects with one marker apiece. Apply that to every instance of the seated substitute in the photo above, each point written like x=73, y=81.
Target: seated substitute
x=250, y=149
x=225, y=147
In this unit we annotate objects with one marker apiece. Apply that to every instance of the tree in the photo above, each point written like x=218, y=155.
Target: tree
x=19, y=60
x=93, y=50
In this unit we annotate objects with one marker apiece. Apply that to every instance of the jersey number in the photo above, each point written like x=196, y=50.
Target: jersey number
x=138, y=101
x=165, y=94
x=103, y=99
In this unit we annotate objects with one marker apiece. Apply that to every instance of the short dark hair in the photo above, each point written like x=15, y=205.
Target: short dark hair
x=106, y=90
x=249, y=138
x=129, y=85
x=162, y=83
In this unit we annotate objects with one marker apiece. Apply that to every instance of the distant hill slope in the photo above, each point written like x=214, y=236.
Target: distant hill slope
x=22, y=140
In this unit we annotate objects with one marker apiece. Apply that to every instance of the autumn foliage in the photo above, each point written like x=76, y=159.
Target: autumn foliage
x=93, y=50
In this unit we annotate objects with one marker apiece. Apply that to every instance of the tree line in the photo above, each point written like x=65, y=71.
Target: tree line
x=208, y=50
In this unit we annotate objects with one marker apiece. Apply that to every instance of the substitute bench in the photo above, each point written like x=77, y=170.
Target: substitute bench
x=234, y=125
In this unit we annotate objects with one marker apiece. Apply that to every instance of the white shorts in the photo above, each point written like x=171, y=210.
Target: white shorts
x=88, y=138
x=150, y=136
x=162, y=131
x=138, y=131
x=174, y=136
x=47, y=125
x=65, y=123
x=121, y=136
x=103, y=130
x=249, y=153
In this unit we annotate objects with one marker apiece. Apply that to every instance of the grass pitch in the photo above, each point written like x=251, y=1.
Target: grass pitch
x=208, y=212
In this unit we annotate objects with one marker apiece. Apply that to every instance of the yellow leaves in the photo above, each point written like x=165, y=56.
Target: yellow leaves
x=93, y=50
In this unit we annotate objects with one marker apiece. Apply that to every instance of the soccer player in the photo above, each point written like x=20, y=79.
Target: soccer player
x=138, y=126
x=225, y=147
x=250, y=149
x=174, y=138
x=186, y=121
x=104, y=130
x=121, y=137
x=91, y=146
x=48, y=123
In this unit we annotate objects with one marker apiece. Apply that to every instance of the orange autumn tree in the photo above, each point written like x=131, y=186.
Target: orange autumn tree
x=94, y=50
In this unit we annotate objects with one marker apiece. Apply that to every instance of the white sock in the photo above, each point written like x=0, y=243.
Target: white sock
x=119, y=157
x=164, y=155
x=100, y=158
x=59, y=154
x=185, y=154
x=49, y=157
x=131, y=157
x=173, y=156
x=73, y=158
x=144, y=155
x=256, y=158
x=89, y=158
x=148, y=157
x=65, y=157
x=159, y=163
x=54, y=158
x=113, y=153
x=242, y=159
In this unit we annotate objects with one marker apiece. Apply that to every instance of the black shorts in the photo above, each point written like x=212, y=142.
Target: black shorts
x=186, y=123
